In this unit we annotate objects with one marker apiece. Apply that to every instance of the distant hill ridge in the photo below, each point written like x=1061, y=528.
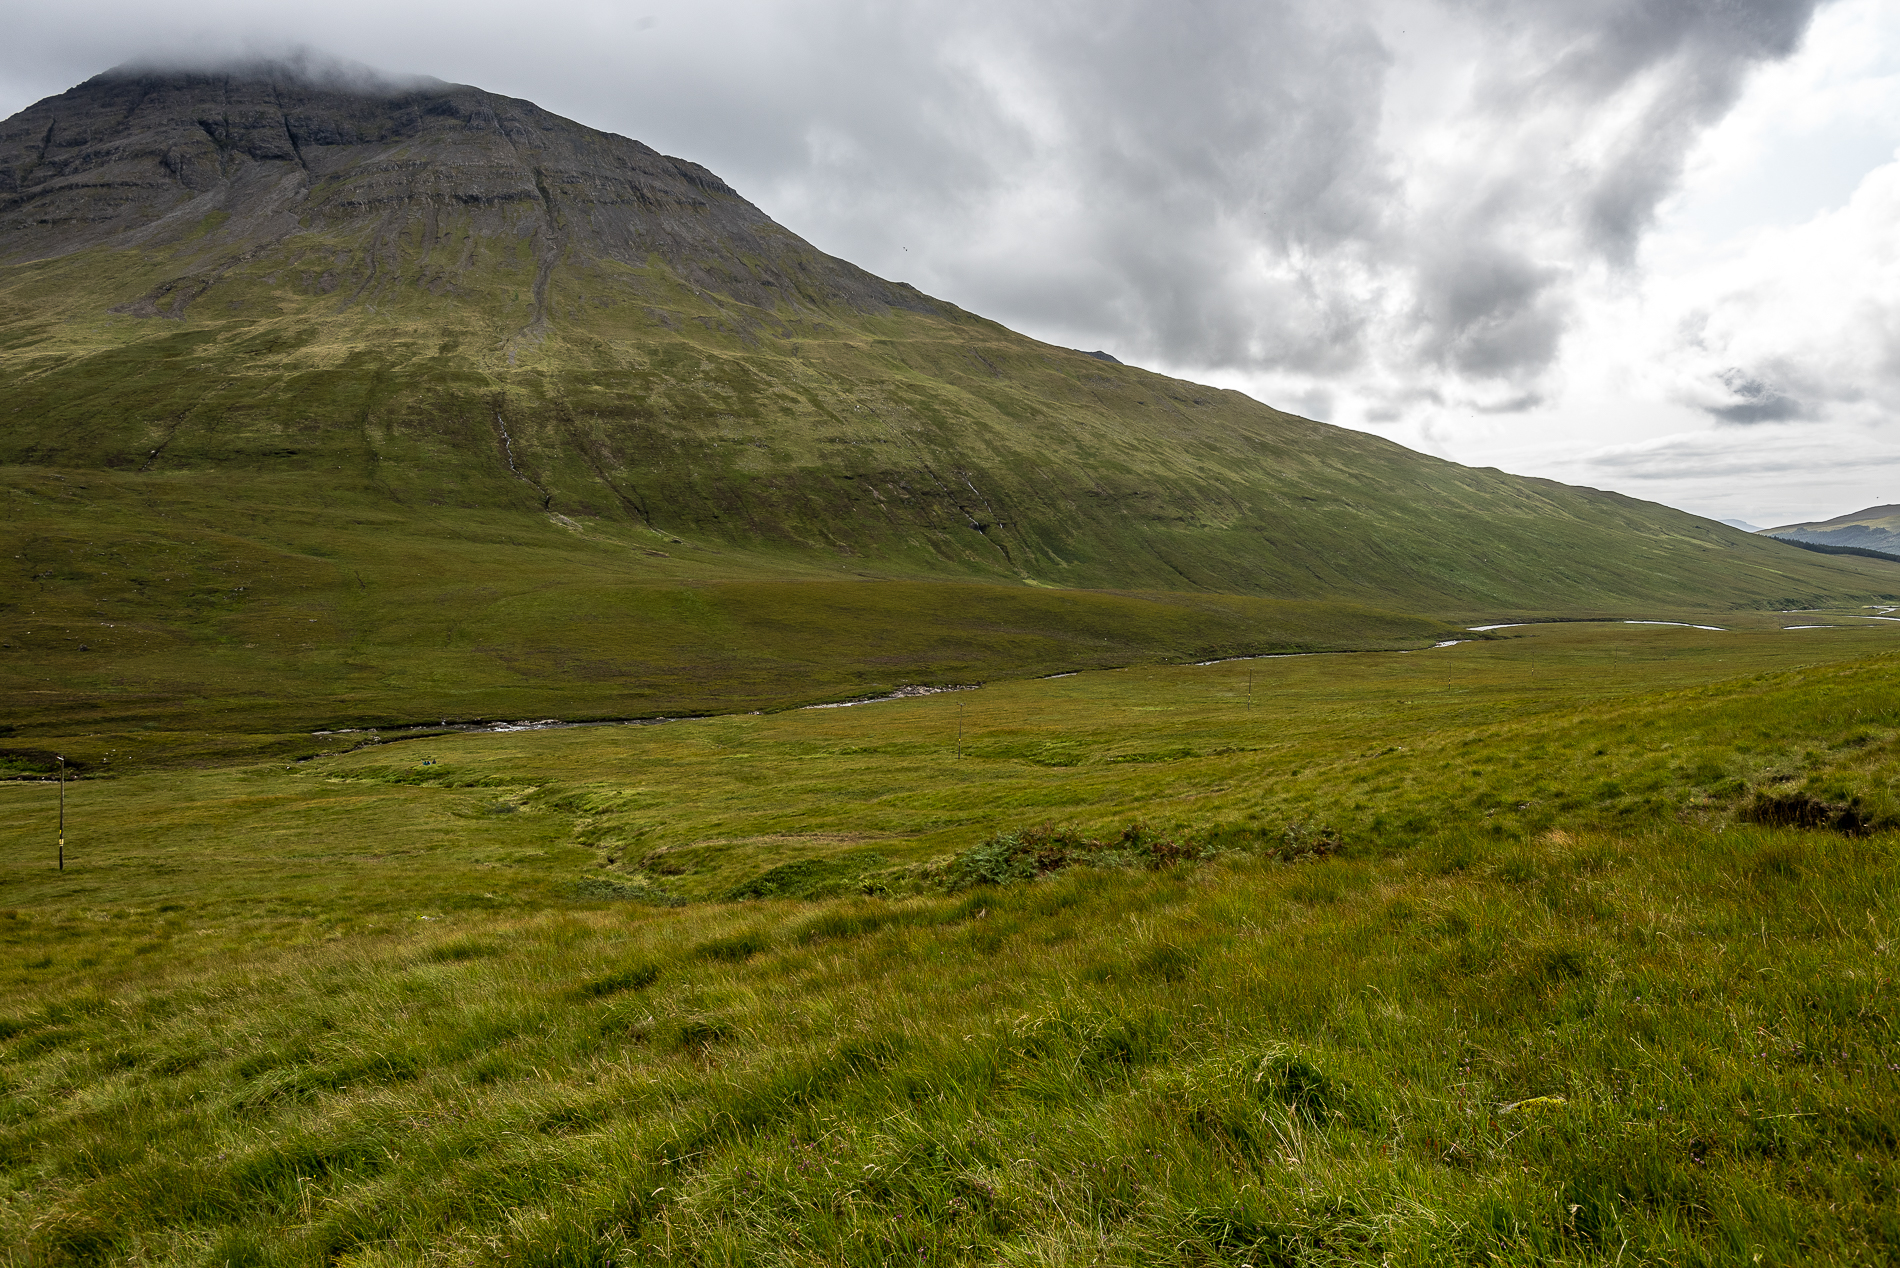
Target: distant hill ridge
x=1875, y=528
x=414, y=296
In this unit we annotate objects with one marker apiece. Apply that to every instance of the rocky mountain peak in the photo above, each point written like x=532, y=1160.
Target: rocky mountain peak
x=247, y=157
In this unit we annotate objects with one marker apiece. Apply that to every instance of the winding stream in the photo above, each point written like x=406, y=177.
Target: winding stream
x=378, y=736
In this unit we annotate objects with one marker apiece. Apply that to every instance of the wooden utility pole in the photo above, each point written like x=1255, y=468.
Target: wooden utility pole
x=959, y=730
x=1250, y=684
x=62, y=814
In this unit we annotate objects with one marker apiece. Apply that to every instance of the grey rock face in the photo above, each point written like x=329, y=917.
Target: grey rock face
x=140, y=158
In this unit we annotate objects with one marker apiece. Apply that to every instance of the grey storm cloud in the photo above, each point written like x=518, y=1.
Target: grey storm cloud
x=1489, y=270
x=1207, y=184
x=1696, y=54
x=1753, y=400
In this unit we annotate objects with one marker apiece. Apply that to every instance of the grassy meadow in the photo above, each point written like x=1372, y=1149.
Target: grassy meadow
x=231, y=631
x=1569, y=944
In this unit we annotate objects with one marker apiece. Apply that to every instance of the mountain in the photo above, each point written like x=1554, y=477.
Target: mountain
x=1744, y=525
x=1876, y=528
x=336, y=397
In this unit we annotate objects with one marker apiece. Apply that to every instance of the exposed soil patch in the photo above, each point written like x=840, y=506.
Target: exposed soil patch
x=1803, y=810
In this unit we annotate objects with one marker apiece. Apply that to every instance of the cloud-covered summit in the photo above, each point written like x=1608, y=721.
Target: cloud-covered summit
x=298, y=66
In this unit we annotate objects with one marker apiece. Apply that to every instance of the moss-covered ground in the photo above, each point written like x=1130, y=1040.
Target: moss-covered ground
x=1570, y=945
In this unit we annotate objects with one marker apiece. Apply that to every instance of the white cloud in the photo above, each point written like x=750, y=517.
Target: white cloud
x=1802, y=321
x=1747, y=363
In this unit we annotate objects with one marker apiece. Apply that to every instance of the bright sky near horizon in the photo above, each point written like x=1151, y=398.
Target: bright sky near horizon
x=1647, y=245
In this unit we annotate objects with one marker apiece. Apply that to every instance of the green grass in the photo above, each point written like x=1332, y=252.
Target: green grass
x=1547, y=993
x=222, y=635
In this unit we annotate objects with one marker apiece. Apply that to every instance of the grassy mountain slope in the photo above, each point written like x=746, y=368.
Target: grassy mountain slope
x=148, y=615
x=934, y=443
x=414, y=401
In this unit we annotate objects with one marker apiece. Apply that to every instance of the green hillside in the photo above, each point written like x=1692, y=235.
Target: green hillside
x=155, y=619
x=931, y=443
x=335, y=408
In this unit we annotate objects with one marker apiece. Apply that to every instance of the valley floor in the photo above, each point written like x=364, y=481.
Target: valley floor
x=1569, y=944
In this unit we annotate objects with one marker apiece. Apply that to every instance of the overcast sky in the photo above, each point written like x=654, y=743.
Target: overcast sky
x=1649, y=245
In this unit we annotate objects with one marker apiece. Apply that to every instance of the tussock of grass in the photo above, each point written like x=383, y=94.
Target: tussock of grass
x=1638, y=1057
x=1010, y=857
x=636, y=977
